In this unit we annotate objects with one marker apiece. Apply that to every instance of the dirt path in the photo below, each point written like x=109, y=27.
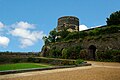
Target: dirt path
x=98, y=71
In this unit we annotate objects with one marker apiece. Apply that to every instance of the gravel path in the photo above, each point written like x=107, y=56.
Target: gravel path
x=98, y=71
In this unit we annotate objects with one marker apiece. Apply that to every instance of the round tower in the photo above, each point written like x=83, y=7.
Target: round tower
x=71, y=23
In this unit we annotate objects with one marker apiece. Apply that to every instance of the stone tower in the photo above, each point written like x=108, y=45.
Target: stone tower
x=71, y=23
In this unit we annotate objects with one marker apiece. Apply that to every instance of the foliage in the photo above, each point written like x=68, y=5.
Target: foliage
x=56, y=53
x=30, y=59
x=65, y=53
x=52, y=35
x=46, y=40
x=54, y=61
x=16, y=60
x=76, y=35
x=79, y=61
x=4, y=60
x=83, y=54
x=114, y=19
x=51, y=38
x=63, y=34
x=104, y=30
x=109, y=55
x=71, y=52
x=82, y=34
x=73, y=35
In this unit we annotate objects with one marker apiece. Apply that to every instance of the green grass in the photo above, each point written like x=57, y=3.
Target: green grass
x=22, y=66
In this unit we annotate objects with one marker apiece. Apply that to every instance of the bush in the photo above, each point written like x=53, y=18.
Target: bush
x=79, y=61
x=65, y=53
x=16, y=60
x=109, y=55
x=30, y=59
x=71, y=52
x=53, y=61
x=83, y=54
x=55, y=53
x=4, y=60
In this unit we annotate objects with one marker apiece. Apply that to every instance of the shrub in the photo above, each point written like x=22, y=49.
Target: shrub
x=56, y=53
x=65, y=53
x=109, y=55
x=79, y=61
x=83, y=54
x=71, y=52
x=30, y=59
x=4, y=60
x=16, y=60
x=53, y=61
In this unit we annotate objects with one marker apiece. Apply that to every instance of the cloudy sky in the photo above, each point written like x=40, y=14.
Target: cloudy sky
x=23, y=23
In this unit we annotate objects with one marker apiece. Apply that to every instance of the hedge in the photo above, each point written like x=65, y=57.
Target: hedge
x=52, y=61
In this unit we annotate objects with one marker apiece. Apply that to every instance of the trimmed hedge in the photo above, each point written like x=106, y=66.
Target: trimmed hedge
x=4, y=60
x=52, y=61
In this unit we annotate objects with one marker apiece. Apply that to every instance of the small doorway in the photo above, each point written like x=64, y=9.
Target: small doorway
x=92, y=50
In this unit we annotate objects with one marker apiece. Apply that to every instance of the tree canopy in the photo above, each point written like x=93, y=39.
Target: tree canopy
x=114, y=18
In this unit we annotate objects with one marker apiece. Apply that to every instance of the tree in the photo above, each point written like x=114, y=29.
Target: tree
x=51, y=38
x=114, y=19
x=52, y=35
x=46, y=40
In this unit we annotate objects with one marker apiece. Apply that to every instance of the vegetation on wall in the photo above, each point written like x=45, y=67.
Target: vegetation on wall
x=66, y=36
x=71, y=52
x=109, y=55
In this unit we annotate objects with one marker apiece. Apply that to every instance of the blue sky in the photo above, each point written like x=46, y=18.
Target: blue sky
x=23, y=23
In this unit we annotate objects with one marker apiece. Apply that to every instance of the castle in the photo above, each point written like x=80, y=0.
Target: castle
x=91, y=45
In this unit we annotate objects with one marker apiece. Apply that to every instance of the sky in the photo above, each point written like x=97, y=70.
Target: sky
x=23, y=23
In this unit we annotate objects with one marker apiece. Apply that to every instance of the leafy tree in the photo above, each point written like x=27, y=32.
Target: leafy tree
x=52, y=35
x=46, y=40
x=114, y=18
x=51, y=38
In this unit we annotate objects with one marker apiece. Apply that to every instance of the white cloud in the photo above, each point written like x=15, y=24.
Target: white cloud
x=82, y=27
x=4, y=41
x=27, y=37
x=26, y=42
x=23, y=25
x=1, y=25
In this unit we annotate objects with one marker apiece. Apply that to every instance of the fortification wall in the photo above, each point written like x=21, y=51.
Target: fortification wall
x=98, y=43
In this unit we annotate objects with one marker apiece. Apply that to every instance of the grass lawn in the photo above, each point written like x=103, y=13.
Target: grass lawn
x=22, y=66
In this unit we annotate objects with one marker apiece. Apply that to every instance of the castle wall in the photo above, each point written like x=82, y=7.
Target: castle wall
x=103, y=43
